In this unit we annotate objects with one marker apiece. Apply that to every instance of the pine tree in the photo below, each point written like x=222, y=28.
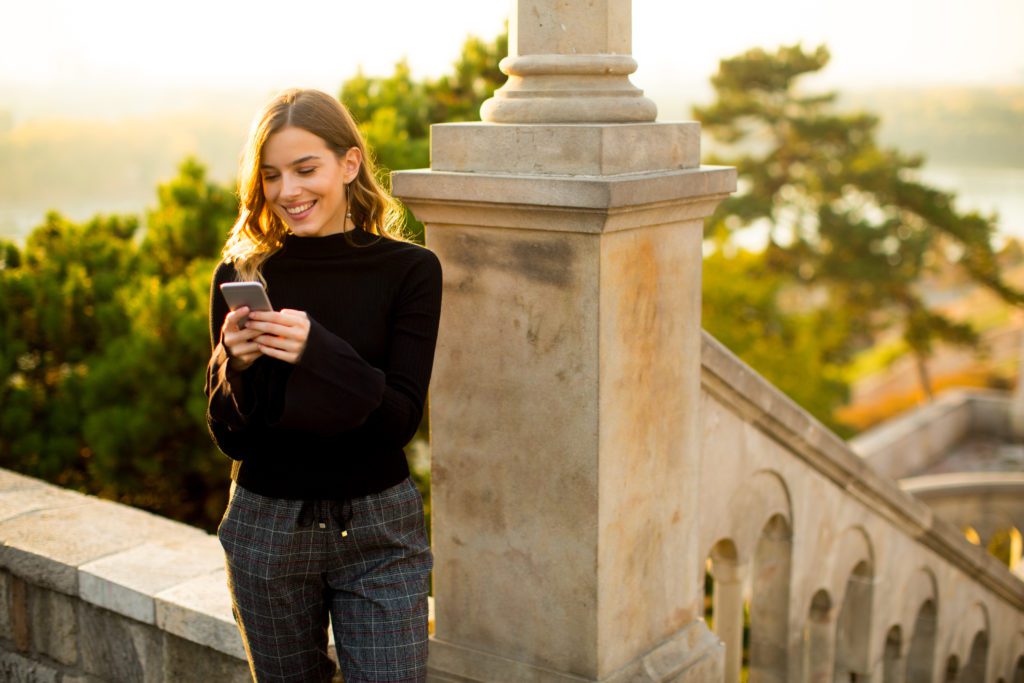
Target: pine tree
x=843, y=215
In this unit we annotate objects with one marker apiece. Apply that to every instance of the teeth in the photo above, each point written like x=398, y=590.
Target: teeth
x=294, y=210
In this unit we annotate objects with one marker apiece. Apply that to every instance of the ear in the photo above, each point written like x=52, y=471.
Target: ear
x=350, y=164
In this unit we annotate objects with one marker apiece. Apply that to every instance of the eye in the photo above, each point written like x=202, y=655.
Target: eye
x=270, y=177
x=307, y=170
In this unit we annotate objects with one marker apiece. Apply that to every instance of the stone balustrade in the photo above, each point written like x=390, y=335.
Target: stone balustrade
x=845, y=575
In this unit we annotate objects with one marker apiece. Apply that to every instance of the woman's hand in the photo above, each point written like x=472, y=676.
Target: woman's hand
x=242, y=350
x=284, y=333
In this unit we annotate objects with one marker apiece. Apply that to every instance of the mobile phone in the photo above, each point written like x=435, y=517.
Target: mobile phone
x=251, y=294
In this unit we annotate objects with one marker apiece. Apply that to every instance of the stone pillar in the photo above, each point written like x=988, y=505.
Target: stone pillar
x=566, y=384
x=727, y=608
x=819, y=641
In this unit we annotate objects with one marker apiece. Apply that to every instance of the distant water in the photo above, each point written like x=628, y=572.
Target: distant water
x=981, y=188
x=17, y=221
x=985, y=189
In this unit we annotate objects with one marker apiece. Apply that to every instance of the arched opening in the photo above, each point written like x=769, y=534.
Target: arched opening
x=769, y=603
x=972, y=535
x=724, y=608
x=952, y=670
x=891, y=656
x=921, y=655
x=818, y=639
x=1006, y=545
x=977, y=661
x=853, y=627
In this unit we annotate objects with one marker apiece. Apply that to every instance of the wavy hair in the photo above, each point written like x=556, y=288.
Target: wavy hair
x=258, y=232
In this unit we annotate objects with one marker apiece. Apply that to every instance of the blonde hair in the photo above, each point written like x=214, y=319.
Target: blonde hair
x=258, y=232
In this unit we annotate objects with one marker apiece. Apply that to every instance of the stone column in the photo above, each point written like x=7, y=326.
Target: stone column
x=566, y=385
x=727, y=608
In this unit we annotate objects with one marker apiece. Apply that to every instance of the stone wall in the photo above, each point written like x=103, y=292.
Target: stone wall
x=97, y=591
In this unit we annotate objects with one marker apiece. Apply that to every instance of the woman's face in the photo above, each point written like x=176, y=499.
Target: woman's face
x=305, y=182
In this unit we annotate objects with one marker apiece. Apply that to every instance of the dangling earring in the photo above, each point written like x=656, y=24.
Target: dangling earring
x=348, y=213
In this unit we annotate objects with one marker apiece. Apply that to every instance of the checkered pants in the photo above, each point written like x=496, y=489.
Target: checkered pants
x=289, y=566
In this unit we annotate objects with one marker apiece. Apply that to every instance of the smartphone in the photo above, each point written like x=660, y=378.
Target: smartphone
x=251, y=294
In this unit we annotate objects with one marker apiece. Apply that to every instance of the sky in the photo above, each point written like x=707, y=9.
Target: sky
x=88, y=53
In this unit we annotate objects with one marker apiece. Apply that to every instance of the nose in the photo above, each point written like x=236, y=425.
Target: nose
x=289, y=186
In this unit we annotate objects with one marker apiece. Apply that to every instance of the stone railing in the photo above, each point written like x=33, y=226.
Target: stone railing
x=846, y=576
x=97, y=591
x=915, y=440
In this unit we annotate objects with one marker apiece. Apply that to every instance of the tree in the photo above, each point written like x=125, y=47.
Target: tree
x=103, y=345
x=843, y=216
x=741, y=308
x=58, y=308
x=395, y=113
x=191, y=220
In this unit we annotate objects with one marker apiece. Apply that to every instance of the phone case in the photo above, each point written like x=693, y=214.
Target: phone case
x=251, y=294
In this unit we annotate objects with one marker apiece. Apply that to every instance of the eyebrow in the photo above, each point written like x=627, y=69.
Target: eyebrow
x=308, y=157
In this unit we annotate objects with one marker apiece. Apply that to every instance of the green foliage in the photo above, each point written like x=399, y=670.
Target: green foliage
x=741, y=308
x=103, y=345
x=845, y=217
x=191, y=221
x=395, y=113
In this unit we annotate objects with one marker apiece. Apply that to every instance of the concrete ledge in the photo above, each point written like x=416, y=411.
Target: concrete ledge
x=48, y=544
x=95, y=590
x=914, y=440
x=966, y=483
x=127, y=582
x=706, y=183
x=199, y=610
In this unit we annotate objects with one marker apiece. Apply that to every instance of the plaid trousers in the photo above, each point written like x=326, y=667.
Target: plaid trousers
x=365, y=561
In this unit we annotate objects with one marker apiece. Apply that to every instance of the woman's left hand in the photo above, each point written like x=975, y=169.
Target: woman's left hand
x=284, y=333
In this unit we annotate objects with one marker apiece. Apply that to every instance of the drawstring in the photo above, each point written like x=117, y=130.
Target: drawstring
x=319, y=510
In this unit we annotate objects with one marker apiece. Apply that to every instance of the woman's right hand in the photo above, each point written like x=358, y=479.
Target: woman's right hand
x=242, y=351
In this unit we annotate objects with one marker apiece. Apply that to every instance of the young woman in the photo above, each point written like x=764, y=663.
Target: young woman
x=314, y=402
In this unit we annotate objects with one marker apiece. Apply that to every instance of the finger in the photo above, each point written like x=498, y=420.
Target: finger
x=279, y=343
x=241, y=350
x=275, y=329
x=277, y=353
x=240, y=337
x=294, y=314
x=233, y=317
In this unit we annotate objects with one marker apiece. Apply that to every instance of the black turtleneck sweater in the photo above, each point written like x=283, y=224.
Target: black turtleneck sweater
x=334, y=425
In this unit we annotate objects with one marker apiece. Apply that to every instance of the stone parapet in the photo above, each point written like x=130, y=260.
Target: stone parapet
x=763, y=405
x=96, y=591
x=837, y=564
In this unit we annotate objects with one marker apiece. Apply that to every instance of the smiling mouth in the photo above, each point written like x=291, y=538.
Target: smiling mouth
x=300, y=209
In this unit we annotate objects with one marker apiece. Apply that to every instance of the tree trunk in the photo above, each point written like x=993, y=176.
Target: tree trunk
x=921, y=360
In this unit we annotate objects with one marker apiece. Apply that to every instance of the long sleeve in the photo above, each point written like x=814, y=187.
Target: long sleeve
x=334, y=424
x=231, y=396
x=333, y=389
x=411, y=357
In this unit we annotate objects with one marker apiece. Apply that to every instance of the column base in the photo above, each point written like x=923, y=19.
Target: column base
x=694, y=655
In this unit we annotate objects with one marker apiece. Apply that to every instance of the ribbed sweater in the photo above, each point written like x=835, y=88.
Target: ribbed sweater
x=334, y=425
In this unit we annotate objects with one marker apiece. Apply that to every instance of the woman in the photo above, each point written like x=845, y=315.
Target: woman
x=314, y=402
